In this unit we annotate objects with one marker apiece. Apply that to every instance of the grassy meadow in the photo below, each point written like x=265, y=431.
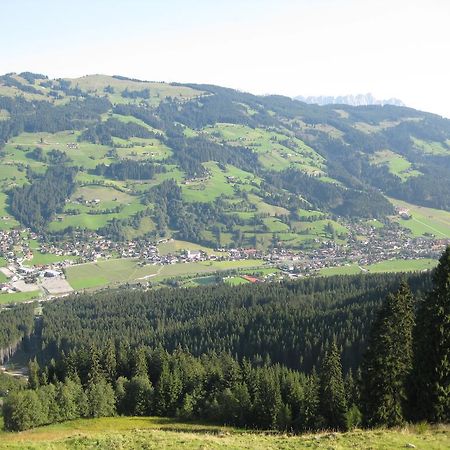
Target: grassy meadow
x=424, y=220
x=18, y=297
x=392, y=265
x=397, y=164
x=161, y=433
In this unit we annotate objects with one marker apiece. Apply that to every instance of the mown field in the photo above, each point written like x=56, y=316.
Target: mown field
x=119, y=271
x=159, y=433
x=18, y=297
x=424, y=220
x=392, y=265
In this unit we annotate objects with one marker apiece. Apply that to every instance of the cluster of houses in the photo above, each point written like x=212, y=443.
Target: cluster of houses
x=366, y=244
x=20, y=278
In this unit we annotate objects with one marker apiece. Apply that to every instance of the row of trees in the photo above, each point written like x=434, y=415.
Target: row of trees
x=102, y=132
x=89, y=383
x=406, y=370
x=129, y=169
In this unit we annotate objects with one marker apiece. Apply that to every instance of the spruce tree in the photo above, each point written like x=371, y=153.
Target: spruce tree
x=66, y=399
x=268, y=400
x=167, y=392
x=430, y=396
x=140, y=368
x=22, y=410
x=308, y=418
x=139, y=396
x=332, y=390
x=33, y=374
x=101, y=399
x=109, y=361
x=388, y=361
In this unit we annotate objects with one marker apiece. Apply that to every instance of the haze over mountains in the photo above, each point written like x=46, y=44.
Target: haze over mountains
x=352, y=100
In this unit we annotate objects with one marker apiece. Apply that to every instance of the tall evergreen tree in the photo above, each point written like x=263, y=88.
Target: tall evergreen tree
x=388, y=361
x=308, y=418
x=110, y=362
x=167, y=392
x=140, y=363
x=23, y=410
x=332, y=390
x=268, y=400
x=33, y=374
x=430, y=396
x=101, y=399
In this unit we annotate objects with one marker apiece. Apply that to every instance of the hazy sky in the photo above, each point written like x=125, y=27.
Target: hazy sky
x=394, y=48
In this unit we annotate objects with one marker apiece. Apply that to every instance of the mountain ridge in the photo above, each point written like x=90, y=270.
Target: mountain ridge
x=236, y=160
x=350, y=99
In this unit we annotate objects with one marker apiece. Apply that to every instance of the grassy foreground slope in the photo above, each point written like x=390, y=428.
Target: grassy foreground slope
x=158, y=433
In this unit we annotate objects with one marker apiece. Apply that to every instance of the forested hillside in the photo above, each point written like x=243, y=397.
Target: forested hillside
x=332, y=353
x=258, y=171
x=289, y=323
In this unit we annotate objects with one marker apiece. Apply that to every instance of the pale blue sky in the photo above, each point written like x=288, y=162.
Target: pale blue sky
x=395, y=48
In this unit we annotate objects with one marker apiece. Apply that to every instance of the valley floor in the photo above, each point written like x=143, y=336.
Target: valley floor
x=159, y=433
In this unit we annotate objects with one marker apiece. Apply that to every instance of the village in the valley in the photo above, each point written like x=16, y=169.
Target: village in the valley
x=366, y=245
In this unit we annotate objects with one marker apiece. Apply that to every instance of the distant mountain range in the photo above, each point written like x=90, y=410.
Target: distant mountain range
x=352, y=100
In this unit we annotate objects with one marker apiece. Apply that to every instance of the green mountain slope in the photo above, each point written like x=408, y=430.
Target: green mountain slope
x=130, y=159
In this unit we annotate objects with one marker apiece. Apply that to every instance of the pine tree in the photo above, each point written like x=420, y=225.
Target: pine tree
x=268, y=401
x=66, y=400
x=308, y=418
x=167, y=392
x=109, y=362
x=140, y=363
x=240, y=392
x=95, y=369
x=139, y=396
x=430, y=393
x=23, y=410
x=284, y=418
x=388, y=361
x=101, y=399
x=332, y=390
x=33, y=374
x=50, y=407
x=120, y=391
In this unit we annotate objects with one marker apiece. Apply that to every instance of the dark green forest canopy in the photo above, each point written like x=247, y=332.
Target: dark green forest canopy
x=16, y=323
x=36, y=203
x=288, y=323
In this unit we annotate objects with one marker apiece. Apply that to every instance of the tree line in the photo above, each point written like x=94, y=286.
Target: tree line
x=16, y=323
x=103, y=132
x=129, y=169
